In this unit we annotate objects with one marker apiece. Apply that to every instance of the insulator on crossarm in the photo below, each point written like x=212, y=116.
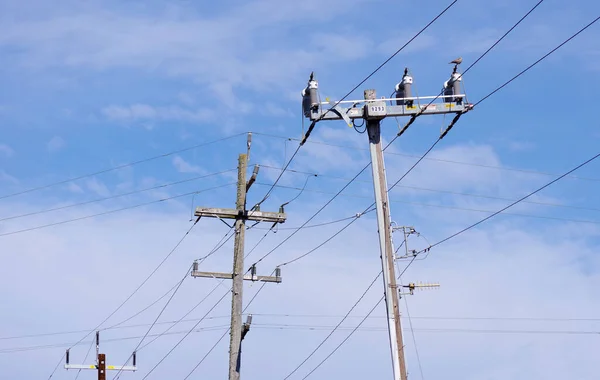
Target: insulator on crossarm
x=310, y=96
x=452, y=88
x=403, y=90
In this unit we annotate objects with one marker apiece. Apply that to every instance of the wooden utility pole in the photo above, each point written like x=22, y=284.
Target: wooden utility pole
x=100, y=365
x=241, y=215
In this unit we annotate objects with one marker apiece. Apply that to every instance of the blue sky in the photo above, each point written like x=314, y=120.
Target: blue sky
x=92, y=85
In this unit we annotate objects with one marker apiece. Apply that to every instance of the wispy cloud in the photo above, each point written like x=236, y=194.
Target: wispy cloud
x=183, y=166
x=56, y=144
x=145, y=112
x=6, y=150
x=97, y=187
x=4, y=176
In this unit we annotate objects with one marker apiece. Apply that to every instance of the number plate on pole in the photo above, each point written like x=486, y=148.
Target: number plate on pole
x=375, y=110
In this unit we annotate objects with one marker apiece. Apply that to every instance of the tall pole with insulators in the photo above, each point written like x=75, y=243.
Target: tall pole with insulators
x=374, y=114
x=372, y=111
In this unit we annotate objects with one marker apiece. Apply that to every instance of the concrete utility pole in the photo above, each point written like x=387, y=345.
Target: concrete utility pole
x=100, y=365
x=372, y=112
x=385, y=239
x=241, y=215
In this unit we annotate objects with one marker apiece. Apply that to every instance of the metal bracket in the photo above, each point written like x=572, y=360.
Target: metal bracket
x=339, y=110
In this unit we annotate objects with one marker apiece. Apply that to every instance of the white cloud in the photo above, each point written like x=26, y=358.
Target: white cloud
x=342, y=46
x=392, y=44
x=55, y=144
x=177, y=42
x=478, y=272
x=145, y=112
x=97, y=187
x=6, y=150
x=183, y=166
x=4, y=176
x=74, y=188
x=271, y=109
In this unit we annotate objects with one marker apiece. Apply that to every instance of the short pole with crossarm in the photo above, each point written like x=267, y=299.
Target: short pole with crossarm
x=240, y=214
x=100, y=365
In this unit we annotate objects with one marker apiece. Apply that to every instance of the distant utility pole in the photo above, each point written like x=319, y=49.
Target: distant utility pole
x=241, y=215
x=372, y=111
x=100, y=365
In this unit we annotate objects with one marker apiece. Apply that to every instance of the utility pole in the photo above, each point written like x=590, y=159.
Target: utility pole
x=372, y=111
x=241, y=215
x=385, y=238
x=100, y=365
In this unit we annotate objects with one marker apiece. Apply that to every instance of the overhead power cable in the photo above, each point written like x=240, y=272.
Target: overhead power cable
x=217, y=247
x=454, y=208
x=448, y=128
x=205, y=316
x=436, y=159
x=138, y=287
x=114, y=196
x=306, y=136
x=121, y=166
x=185, y=276
x=335, y=328
x=227, y=331
x=267, y=326
x=313, y=316
x=355, y=328
x=515, y=202
x=312, y=125
x=467, y=70
x=113, y=211
x=538, y=61
x=426, y=189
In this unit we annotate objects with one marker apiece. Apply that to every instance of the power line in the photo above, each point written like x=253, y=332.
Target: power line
x=425, y=189
x=217, y=247
x=343, y=341
x=186, y=334
x=57, y=365
x=473, y=164
x=155, y=320
x=11, y=350
x=336, y=327
x=139, y=286
x=120, y=166
x=515, y=202
x=112, y=211
x=316, y=316
x=114, y=196
x=356, y=328
x=312, y=125
x=412, y=329
x=450, y=126
x=305, y=138
x=225, y=333
x=538, y=61
x=143, y=310
x=200, y=320
x=448, y=207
